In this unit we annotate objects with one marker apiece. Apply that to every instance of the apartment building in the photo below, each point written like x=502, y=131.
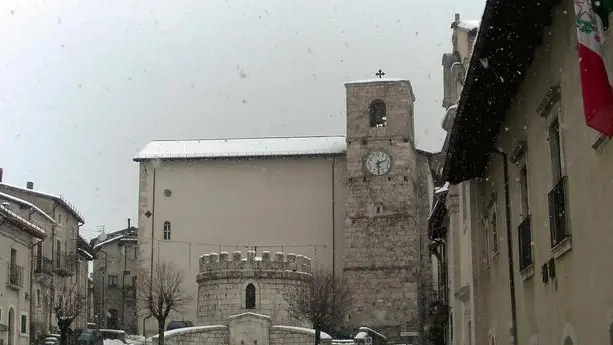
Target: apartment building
x=114, y=279
x=18, y=234
x=448, y=229
x=530, y=186
x=59, y=262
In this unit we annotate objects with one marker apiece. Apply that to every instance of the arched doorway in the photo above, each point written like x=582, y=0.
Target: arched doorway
x=11, y=326
x=112, y=321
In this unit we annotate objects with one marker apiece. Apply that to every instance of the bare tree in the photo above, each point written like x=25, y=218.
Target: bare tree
x=325, y=303
x=161, y=293
x=69, y=303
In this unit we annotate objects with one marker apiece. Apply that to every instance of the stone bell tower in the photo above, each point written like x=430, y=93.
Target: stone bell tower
x=382, y=251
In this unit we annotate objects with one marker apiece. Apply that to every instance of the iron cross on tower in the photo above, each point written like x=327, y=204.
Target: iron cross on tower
x=380, y=74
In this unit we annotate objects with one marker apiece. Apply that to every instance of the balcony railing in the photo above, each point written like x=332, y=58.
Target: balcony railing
x=64, y=263
x=130, y=292
x=557, y=213
x=15, y=278
x=43, y=265
x=525, y=243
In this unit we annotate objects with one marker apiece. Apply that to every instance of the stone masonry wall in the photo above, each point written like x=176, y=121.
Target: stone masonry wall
x=283, y=335
x=223, y=279
x=200, y=335
x=243, y=329
x=383, y=214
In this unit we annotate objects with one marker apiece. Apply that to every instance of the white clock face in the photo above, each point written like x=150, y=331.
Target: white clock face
x=378, y=163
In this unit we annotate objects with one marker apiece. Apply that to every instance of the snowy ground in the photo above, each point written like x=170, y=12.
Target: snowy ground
x=113, y=342
x=133, y=339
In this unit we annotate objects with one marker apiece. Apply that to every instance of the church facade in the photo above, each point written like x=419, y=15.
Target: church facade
x=355, y=204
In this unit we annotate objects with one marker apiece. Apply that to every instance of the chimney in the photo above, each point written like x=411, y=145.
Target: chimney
x=128, y=223
x=1, y=174
x=457, y=17
x=30, y=185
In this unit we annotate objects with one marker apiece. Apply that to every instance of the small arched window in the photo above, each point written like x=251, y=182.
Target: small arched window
x=378, y=115
x=167, y=230
x=250, y=296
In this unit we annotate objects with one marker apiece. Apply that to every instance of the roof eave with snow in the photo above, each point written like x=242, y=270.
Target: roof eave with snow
x=27, y=204
x=242, y=148
x=58, y=199
x=26, y=225
x=377, y=80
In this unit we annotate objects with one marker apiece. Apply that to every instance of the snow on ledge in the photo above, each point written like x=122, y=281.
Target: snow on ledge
x=469, y=24
x=377, y=80
x=188, y=330
x=249, y=314
x=370, y=330
x=302, y=330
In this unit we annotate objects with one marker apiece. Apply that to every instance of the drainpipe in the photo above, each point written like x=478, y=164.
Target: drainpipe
x=31, y=287
x=32, y=262
x=52, y=266
x=333, y=220
x=152, y=246
x=507, y=202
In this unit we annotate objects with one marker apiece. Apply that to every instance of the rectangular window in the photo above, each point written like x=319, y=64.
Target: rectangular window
x=465, y=200
x=524, y=229
x=112, y=281
x=484, y=243
x=13, y=256
x=523, y=190
x=494, y=230
x=555, y=151
x=557, y=196
x=24, y=324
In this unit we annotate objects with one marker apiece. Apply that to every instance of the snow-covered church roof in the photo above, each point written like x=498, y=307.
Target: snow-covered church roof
x=242, y=147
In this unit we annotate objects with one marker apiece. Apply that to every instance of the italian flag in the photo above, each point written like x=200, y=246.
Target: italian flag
x=596, y=79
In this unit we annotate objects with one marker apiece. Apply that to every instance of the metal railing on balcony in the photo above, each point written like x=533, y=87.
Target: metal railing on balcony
x=130, y=292
x=557, y=213
x=525, y=243
x=43, y=265
x=15, y=278
x=64, y=263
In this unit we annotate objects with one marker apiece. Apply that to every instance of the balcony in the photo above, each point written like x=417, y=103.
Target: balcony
x=43, y=265
x=130, y=292
x=64, y=263
x=558, y=225
x=15, y=278
x=525, y=243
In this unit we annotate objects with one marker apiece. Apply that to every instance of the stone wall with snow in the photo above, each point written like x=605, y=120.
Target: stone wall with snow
x=287, y=335
x=230, y=284
x=243, y=329
x=200, y=335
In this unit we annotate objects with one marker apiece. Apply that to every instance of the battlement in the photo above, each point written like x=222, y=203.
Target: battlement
x=280, y=261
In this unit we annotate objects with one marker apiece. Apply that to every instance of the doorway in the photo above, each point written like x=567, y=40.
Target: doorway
x=11, y=326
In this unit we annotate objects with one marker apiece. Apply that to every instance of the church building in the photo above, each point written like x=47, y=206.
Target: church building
x=355, y=204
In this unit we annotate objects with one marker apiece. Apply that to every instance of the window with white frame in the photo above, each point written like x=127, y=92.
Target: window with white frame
x=557, y=196
x=23, y=326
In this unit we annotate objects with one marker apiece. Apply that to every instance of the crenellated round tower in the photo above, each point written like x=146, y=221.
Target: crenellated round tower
x=230, y=284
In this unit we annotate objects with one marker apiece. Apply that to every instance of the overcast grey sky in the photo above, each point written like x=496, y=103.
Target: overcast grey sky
x=85, y=84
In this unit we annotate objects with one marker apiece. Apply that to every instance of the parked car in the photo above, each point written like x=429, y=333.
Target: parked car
x=89, y=337
x=113, y=334
x=178, y=324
